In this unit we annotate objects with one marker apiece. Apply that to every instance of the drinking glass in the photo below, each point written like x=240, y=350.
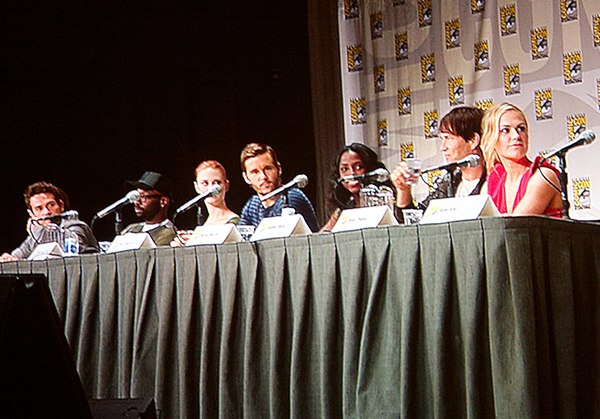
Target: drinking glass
x=414, y=167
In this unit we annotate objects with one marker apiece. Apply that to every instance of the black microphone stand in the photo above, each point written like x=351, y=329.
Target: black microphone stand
x=118, y=222
x=451, y=179
x=450, y=183
x=362, y=185
x=564, y=180
x=199, y=216
x=284, y=200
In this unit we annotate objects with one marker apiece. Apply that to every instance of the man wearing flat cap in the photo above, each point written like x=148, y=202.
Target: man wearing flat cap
x=153, y=208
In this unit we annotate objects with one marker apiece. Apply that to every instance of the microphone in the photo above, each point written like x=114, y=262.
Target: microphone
x=211, y=191
x=300, y=181
x=472, y=160
x=377, y=175
x=71, y=214
x=130, y=198
x=586, y=137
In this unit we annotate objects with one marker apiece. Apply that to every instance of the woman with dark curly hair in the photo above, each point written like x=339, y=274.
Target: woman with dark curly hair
x=353, y=159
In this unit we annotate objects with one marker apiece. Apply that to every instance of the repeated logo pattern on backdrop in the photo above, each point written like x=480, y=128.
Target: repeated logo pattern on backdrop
x=406, y=63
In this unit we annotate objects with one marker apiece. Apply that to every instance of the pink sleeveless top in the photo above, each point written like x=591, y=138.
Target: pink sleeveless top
x=497, y=179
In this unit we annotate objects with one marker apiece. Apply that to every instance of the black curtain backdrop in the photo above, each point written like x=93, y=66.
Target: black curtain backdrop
x=97, y=94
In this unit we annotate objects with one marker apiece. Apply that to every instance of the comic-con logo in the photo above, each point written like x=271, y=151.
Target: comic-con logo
x=512, y=79
x=376, y=25
x=543, y=104
x=572, y=67
x=358, y=110
x=508, y=19
x=382, y=131
x=552, y=160
x=354, y=54
x=404, y=101
x=407, y=151
x=596, y=26
x=350, y=9
x=425, y=13
x=484, y=104
x=539, y=43
x=430, y=123
x=435, y=179
x=582, y=193
x=427, y=68
x=456, y=91
x=452, y=33
x=568, y=10
x=477, y=6
x=401, y=46
x=482, y=56
x=575, y=125
x=379, y=78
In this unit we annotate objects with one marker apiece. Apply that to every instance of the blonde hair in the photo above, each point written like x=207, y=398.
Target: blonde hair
x=256, y=149
x=491, y=131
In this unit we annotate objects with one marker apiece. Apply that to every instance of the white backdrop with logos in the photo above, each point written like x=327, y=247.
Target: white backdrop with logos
x=405, y=63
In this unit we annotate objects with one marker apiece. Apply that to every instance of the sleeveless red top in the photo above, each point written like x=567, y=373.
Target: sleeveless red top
x=497, y=179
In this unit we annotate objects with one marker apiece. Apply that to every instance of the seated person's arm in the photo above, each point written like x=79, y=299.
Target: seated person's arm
x=331, y=222
x=302, y=205
x=21, y=252
x=182, y=238
x=7, y=257
x=540, y=195
x=399, y=178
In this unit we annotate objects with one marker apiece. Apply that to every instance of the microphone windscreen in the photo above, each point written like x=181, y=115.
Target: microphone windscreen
x=472, y=160
x=133, y=196
x=214, y=190
x=380, y=175
x=301, y=181
x=70, y=215
x=586, y=136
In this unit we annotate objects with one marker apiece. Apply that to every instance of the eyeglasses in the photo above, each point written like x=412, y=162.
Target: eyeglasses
x=145, y=197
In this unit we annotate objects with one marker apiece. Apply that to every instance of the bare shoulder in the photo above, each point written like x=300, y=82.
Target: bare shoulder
x=545, y=177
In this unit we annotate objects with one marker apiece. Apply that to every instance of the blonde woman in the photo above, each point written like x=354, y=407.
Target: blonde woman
x=516, y=184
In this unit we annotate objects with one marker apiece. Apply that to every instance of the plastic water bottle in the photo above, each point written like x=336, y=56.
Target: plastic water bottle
x=71, y=243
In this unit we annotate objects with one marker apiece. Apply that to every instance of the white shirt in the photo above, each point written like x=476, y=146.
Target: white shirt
x=465, y=187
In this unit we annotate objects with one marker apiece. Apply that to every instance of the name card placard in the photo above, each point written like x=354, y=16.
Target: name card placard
x=283, y=226
x=357, y=218
x=585, y=214
x=214, y=234
x=44, y=251
x=131, y=241
x=458, y=209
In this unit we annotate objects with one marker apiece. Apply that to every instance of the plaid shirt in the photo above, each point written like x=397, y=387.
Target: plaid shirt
x=254, y=211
